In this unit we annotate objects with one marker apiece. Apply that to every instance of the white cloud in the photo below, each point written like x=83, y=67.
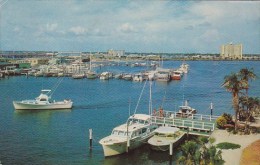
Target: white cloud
x=51, y=27
x=78, y=30
x=127, y=28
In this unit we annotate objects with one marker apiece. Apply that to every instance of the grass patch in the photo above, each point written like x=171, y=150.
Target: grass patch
x=226, y=146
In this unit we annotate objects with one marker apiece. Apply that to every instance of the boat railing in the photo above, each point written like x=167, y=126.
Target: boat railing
x=174, y=114
x=184, y=123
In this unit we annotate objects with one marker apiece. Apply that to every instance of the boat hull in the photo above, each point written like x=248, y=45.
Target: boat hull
x=19, y=105
x=112, y=149
x=159, y=144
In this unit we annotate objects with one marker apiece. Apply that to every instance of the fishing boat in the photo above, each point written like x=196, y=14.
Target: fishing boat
x=131, y=135
x=164, y=136
x=43, y=102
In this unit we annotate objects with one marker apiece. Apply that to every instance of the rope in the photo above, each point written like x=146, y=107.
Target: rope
x=56, y=86
x=140, y=97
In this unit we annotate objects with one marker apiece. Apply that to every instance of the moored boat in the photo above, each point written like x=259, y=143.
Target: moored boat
x=104, y=76
x=43, y=102
x=131, y=135
x=176, y=75
x=164, y=136
x=185, y=110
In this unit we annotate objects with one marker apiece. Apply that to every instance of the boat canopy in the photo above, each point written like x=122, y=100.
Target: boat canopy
x=45, y=90
x=166, y=130
x=140, y=117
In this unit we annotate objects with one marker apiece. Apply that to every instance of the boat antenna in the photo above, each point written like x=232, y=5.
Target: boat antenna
x=140, y=97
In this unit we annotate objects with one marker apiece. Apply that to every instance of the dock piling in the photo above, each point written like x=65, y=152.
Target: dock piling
x=90, y=139
x=170, y=149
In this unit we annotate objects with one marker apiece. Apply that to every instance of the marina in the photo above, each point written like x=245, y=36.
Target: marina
x=103, y=105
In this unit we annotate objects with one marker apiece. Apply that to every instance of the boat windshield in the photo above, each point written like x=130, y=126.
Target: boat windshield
x=119, y=133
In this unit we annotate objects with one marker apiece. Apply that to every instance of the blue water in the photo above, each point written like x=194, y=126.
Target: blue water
x=61, y=136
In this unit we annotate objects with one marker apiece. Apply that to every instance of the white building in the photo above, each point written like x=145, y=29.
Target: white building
x=231, y=51
x=118, y=53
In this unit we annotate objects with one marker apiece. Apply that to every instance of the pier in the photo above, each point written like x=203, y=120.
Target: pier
x=194, y=124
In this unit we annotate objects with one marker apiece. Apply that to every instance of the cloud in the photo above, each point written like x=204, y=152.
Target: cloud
x=162, y=26
x=51, y=27
x=127, y=28
x=78, y=30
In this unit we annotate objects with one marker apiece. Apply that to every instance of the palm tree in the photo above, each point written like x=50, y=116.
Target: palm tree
x=188, y=152
x=246, y=75
x=233, y=84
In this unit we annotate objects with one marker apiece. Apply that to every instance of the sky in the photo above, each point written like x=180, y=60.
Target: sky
x=157, y=26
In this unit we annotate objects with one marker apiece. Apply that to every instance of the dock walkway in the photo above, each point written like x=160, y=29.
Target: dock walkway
x=195, y=124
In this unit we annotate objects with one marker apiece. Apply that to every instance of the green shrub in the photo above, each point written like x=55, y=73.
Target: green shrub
x=221, y=122
x=228, y=117
x=212, y=140
x=226, y=145
x=203, y=139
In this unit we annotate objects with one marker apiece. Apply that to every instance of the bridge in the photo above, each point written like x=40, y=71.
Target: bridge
x=194, y=124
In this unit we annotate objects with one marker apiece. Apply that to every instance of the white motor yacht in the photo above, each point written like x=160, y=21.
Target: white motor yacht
x=43, y=101
x=134, y=133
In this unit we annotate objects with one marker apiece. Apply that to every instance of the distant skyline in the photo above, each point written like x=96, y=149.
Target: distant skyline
x=134, y=26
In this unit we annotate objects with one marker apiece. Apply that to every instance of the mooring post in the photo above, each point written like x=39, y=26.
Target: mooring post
x=170, y=149
x=170, y=153
x=90, y=139
x=187, y=132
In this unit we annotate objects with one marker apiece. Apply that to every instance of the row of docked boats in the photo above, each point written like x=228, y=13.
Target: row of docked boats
x=80, y=71
x=160, y=74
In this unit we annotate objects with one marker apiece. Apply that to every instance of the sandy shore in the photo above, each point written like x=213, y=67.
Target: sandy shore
x=232, y=157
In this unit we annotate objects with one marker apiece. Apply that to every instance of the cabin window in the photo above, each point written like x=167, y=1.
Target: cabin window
x=121, y=133
x=144, y=130
x=43, y=99
x=115, y=132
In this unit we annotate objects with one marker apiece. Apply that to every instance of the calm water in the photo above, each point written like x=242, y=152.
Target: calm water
x=61, y=137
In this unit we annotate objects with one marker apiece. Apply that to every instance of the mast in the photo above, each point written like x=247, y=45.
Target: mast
x=150, y=99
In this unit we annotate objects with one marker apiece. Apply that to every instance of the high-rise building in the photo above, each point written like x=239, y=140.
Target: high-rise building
x=231, y=51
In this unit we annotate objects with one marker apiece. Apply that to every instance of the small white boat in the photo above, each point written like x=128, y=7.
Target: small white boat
x=128, y=77
x=42, y=102
x=91, y=75
x=138, y=77
x=104, y=76
x=164, y=136
x=185, y=110
x=184, y=67
x=78, y=75
x=131, y=135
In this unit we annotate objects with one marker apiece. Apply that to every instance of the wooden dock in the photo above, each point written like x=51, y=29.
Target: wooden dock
x=196, y=124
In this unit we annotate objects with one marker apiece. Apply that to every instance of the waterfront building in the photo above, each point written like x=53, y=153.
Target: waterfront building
x=118, y=53
x=231, y=51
